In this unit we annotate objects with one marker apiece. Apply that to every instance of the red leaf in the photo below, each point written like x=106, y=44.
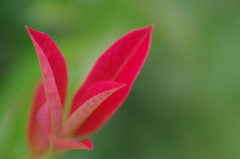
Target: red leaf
x=96, y=94
x=54, y=71
x=121, y=63
x=35, y=132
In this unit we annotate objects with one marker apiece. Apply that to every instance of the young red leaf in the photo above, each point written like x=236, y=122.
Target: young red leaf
x=34, y=132
x=54, y=71
x=121, y=63
x=97, y=93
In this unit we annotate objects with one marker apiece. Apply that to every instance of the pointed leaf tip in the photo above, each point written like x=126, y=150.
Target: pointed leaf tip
x=150, y=27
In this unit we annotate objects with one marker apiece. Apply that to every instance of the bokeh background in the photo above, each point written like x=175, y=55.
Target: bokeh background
x=185, y=103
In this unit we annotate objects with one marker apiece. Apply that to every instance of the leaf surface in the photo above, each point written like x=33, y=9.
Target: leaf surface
x=95, y=95
x=120, y=63
x=54, y=71
x=44, y=120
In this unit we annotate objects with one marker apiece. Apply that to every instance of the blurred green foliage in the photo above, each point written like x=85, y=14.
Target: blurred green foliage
x=185, y=103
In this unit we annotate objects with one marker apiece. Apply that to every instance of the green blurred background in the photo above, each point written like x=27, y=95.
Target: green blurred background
x=185, y=103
